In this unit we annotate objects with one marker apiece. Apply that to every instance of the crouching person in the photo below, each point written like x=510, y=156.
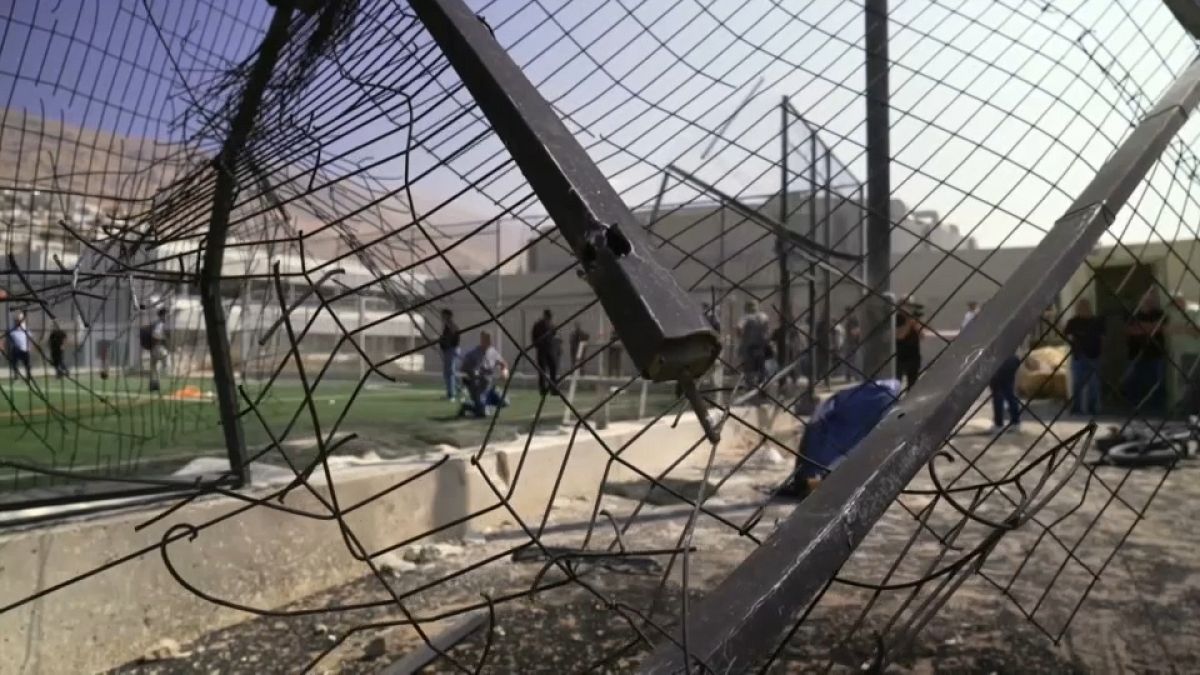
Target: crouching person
x=482, y=367
x=837, y=425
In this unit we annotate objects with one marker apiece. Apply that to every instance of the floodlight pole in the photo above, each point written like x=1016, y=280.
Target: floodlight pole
x=499, y=337
x=818, y=335
x=781, y=247
x=224, y=195
x=826, y=279
x=878, y=344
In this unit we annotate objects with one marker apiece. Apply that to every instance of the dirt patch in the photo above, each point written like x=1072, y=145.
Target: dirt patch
x=1137, y=618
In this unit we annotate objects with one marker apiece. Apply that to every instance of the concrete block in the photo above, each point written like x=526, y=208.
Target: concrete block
x=264, y=557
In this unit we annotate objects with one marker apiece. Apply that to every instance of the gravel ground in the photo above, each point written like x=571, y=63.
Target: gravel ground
x=1139, y=618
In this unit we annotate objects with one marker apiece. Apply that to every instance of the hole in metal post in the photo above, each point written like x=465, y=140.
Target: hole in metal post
x=616, y=242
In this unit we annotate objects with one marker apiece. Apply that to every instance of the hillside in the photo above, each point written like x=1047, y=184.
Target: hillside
x=124, y=175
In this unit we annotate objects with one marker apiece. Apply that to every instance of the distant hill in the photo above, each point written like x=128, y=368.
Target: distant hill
x=124, y=175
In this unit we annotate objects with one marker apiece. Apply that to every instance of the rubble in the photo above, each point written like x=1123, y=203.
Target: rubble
x=423, y=554
x=374, y=649
x=395, y=564
x=165, y=649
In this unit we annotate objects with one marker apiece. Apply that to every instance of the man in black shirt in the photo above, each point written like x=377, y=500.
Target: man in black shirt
x=578, y=337
x=1085, y=332
x=58, y=338
x=448, y=342
x=545, y=349
x=1145, y=379
x=908, y=344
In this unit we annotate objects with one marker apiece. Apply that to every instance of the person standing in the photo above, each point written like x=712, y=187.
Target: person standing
x=19, y=342
x=752, y=332
x=1144, y=381
x=908, y=343
x=545, y=349
x=160, y=349
x=852, y=340
x=578, y=338
x=1003, y=387
x=972, y=310
x=710, y=315
x=614, y=358
x=58, y=340
x=1085, y=333
x=448, y=343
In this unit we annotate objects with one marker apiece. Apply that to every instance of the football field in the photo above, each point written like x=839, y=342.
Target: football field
x=116, y=425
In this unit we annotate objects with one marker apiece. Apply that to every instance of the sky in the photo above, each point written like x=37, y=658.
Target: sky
x=1002, y=110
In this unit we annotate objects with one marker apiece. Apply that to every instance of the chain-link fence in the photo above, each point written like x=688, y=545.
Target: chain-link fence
x=756, y=331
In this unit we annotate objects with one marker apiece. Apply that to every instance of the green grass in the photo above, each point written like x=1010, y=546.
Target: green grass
x=109, y=425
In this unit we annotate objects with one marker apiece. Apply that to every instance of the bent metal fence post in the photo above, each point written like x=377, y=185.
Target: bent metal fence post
x=744, y=615
x=224, y=193
x=662, y=327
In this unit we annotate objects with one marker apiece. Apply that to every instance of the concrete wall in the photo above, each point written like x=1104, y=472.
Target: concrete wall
x=266, y=558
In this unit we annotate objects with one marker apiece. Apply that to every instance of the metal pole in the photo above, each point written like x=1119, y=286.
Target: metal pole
x=244, y=326
x=224, y=194
x=499, y=337
x=362, y=321
x=579, y=352
x=719, y=312
x=826, y=279
x=662, y=189
x=658, y=322
x=877, y=346
x=743, y=618
x=781, y=248
x=818, y=337
x=862, y=234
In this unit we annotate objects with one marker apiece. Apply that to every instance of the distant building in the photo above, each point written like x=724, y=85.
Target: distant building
x=103, y=308
x=722, y=255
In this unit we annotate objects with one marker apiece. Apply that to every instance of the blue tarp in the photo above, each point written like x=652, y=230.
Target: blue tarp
x=841, y=421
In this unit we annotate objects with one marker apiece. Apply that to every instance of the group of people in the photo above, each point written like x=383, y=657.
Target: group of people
x=1144, y=382
x=758, y=346
x=19, y=345
x=482, y=369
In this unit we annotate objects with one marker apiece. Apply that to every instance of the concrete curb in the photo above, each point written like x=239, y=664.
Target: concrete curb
x=266, y=558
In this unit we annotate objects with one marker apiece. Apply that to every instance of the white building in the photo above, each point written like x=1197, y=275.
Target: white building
x=103, y=307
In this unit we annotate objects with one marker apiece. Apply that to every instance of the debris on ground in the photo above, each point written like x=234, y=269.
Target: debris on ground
x=664, y=492
x=374, y=649
x=165, y=649
x=424, y=554
x=395, y=564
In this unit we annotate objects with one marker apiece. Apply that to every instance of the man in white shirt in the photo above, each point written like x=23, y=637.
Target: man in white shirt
x=18, y=346
x=482, y=367
x=972, y=310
